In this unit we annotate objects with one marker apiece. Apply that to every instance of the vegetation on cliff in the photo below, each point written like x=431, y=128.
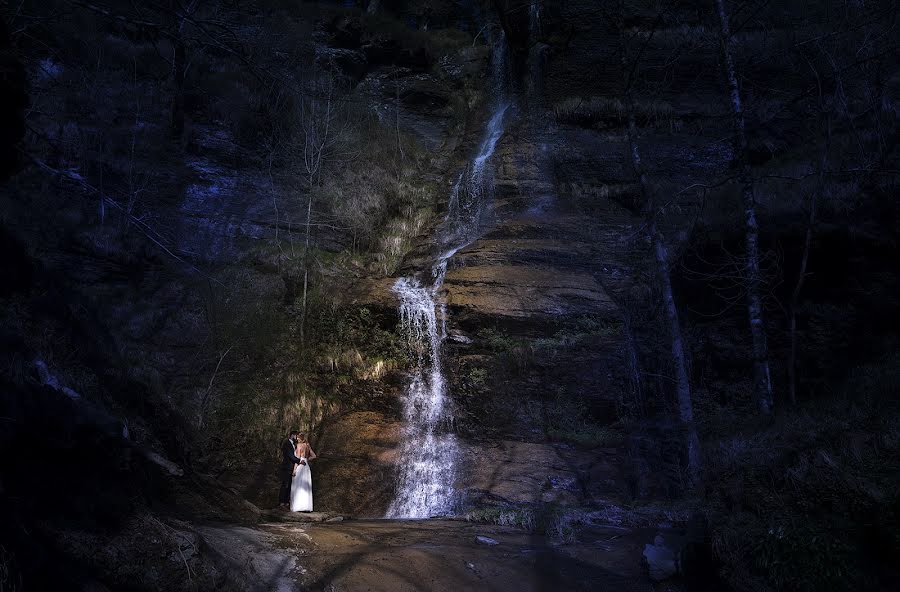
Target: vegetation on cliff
x=681, y=316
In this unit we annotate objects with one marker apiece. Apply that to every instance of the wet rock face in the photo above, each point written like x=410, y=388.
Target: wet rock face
x=505, y=294
x=356, y=469
x=537, y=298
x=514, y=472
x=534, y=353
x=418, y=102
x=535, y=303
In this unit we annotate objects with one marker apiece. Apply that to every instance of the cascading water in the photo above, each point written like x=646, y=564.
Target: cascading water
x=429, y=449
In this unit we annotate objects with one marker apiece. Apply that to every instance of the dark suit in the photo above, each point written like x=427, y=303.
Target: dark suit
x=288, y=460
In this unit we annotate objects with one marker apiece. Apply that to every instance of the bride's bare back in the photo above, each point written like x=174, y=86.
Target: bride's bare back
x=304, y=450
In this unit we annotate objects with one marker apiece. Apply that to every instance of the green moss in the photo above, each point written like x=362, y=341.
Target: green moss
x=498, y=341
x=512, y=355
x=568, y=418
x=477, y=377
x=586, y=330
x=583, y=331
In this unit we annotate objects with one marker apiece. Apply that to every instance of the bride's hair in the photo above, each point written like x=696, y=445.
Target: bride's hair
x=302, y=437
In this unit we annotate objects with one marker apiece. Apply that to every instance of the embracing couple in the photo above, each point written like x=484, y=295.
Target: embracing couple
x=296, y=480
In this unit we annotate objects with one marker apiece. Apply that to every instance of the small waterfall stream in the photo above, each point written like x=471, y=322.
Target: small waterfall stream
x=429, y=449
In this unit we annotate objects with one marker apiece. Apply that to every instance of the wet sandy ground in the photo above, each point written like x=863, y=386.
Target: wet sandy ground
x=398, y=556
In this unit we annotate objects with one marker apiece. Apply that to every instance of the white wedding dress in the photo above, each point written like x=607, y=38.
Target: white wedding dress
x=301, y=489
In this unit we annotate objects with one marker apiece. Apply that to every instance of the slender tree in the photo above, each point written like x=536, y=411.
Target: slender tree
x=320, y=128
x=762, y=380
x=795, y=294
x=815, y=196
x=180, y=29
x=664, y=279
x=662, y=264
x=178, y=13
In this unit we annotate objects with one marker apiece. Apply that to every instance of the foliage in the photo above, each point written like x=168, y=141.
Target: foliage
x=523, y=517
x=811, y=503
x=558, y=523
x=378, y=195
x=516, y=353
x=477, y=378
x=512, y=354
x=498, y=341
x=9, y=577
x=398, y=235
x=604, y=111
x=359, y=328
x=568, y=417
x=585, y=332
x=561, y=523
x=358, y=200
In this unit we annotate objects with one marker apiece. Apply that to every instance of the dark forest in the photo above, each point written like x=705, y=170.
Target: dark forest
x=449, y=295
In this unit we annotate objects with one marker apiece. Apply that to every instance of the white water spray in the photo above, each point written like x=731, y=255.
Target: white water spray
x=429, y=450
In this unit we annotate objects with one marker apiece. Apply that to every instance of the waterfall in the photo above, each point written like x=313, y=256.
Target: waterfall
x=429, y=449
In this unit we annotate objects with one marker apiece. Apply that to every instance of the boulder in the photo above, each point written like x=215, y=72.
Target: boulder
x=661, y=557
x=684, y=552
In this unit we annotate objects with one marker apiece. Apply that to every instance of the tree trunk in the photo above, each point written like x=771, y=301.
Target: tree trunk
x=682, y=380
x=762, y=381
x=305, y=269
x=804, y=258
x=178, y=78
x=679, y=363
x=691, y=441
x=795, y=300
x=634, y=368
x=179, y=71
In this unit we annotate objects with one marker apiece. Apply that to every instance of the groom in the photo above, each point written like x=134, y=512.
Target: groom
x=288, y=460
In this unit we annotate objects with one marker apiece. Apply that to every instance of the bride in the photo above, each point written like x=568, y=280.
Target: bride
x=301, y=484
